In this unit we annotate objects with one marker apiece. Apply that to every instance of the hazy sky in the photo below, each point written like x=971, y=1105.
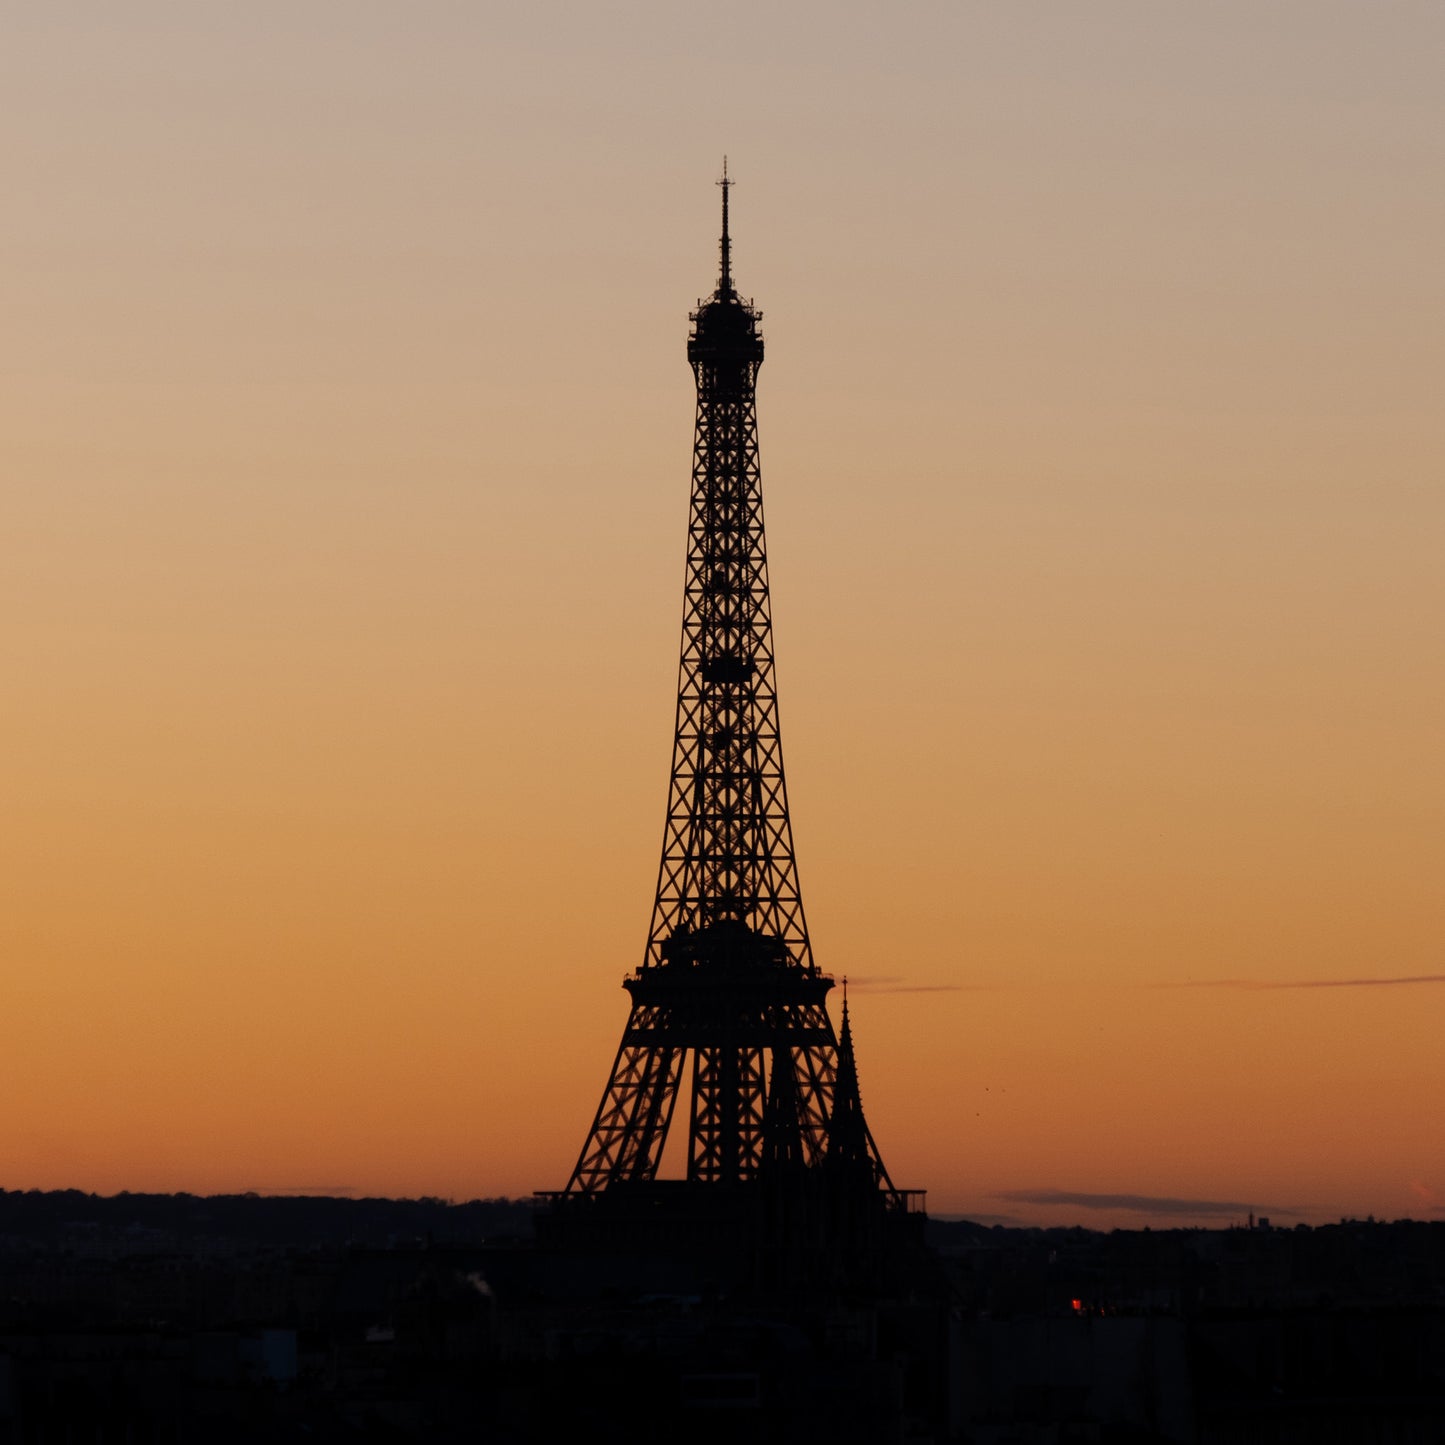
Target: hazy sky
x=345, y=427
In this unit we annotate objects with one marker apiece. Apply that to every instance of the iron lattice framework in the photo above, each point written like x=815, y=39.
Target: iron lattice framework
x=728, y=975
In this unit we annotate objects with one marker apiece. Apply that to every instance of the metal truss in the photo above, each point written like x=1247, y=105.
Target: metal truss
x=727, y=977
x=727, y=852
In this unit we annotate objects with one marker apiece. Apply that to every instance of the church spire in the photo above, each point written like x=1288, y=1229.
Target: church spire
x=847, y=1132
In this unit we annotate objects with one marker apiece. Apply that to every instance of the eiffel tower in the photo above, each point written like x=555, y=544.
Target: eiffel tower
x=728, y=1007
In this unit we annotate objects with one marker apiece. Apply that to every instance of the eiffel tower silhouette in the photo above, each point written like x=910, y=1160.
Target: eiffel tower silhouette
x=728, y=1007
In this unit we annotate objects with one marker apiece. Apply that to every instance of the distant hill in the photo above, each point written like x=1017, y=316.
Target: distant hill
x=61, y=1216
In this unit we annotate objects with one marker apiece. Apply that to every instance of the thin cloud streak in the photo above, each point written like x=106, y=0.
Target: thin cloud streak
x=1137, y=1203
x=1008, y=1221
x=893, y=983
x=1259, y=983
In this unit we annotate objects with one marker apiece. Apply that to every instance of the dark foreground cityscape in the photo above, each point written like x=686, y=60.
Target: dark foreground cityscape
x=177, y=1318
x=784, y=1287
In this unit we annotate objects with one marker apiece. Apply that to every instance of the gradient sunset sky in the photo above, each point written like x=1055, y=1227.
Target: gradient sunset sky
x=345, y=430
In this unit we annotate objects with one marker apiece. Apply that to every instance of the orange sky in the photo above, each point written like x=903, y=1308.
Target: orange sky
x=344, y=443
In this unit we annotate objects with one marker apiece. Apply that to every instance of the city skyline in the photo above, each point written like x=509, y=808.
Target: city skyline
x=346, y=472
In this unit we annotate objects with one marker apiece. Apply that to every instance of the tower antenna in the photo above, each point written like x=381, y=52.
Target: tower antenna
x=725, y=284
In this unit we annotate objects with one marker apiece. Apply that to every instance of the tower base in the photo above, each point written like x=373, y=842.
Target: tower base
x=804, y=1235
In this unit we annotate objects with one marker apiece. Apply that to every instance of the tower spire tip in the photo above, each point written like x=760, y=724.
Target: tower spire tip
x=725, y=282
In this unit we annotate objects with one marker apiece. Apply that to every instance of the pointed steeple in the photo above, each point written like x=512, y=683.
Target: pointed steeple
x=782, y=1143
x=848, y=1141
